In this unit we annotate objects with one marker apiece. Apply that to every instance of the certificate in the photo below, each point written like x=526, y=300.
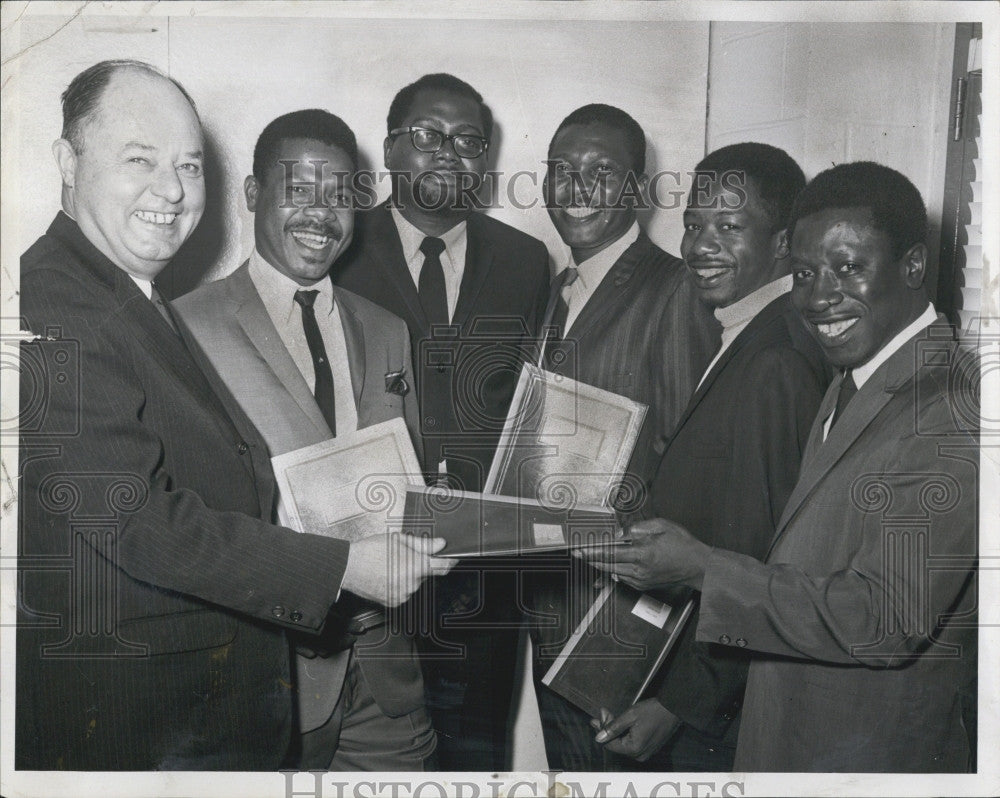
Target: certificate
x=564, y=441
x=348, y=487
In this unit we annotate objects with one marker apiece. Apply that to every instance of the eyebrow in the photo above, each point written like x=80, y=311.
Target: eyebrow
x=138, y=145
x=423, y=121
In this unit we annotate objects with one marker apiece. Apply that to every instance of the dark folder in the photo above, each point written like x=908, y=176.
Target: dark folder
x=612, y=657
x=476, y=524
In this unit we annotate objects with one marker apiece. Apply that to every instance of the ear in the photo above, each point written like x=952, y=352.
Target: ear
x=65, y=157
x=250, y=189
x=914, y=263
x=386, y=148
x=781, y=248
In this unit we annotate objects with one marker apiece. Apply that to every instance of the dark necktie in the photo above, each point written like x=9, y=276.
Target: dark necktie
x=430, y=286
x=556, y=312
x=321, y=365
x=161, y=306
x=847, y=390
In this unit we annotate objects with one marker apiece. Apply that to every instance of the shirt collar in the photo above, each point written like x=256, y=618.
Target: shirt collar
x=412, y=237
x=591, y=271
x=864, y=372
x=277, y=290
x=146, y=286
x=743, y=310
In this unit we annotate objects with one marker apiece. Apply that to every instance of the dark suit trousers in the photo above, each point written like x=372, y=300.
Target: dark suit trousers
x=469, y=658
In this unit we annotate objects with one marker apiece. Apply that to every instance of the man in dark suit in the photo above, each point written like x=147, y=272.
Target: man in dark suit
x=361, y=708
x=742, y=436
x=625, y=319
x=472, y=291
x=861, y=615
x=153, y=593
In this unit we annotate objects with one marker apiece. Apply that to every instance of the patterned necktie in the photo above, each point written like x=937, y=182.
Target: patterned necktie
x=847, y=390
x=430, y=287
x=321, y=365
x=556, y=313
x=561, y=312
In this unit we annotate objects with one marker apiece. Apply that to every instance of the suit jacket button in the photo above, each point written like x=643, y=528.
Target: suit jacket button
x=724, y=639
x=295, y=616
x=741, y=642
x=242, y=447
x=277, y=611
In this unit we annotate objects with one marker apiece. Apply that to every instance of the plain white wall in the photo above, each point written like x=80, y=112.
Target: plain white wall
x=244, y=71
x=834, y=92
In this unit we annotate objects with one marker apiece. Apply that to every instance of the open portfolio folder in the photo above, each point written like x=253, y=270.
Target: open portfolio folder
x=564, y=438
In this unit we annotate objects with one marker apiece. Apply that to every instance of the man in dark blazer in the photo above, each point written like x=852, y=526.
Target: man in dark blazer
x=741, y=436
x=472, y=291
x=360, y=708
x=153, y=592
x=628, y=322
x=861, y=615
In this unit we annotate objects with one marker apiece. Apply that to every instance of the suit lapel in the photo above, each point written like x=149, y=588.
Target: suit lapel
x=386, y=248
x=821, y=456
x=252, y=316
x=478, y=263
x=744, y=339
x=354, y=337
x=177, y=352
x=160, y=340
x=610, y=296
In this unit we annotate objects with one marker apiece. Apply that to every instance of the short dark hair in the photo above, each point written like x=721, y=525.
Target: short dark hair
x=439, y=81
x=895, y=204
x=774, y=173
x=311, y=123
x=598, y=113
x=82, y=96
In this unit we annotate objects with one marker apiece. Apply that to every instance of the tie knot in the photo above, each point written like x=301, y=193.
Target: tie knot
x=432, y=247
x=306, y=298
x=571, y=274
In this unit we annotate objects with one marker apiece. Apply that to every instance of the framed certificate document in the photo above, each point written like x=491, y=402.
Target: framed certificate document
x=564, y=442
x=350, y=486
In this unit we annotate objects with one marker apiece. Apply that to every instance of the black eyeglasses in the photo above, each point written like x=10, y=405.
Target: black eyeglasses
x=427, y=139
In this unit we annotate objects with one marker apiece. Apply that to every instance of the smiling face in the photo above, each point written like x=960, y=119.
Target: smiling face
x=136, y=187
x=590, y=162
x=303, y=218
x=430, y=182
x=729, y=244
x=854, y=295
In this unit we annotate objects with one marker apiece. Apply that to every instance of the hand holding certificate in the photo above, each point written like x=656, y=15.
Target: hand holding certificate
x=353, y=487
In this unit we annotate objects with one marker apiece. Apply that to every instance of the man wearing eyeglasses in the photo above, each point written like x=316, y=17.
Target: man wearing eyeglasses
x=472, y=291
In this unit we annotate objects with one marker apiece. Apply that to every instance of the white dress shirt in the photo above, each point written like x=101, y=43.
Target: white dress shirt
x=277, y=292
x=146, y=286
x=452, y=259
x=591, y=272
x=734, y=318
x=864, y=372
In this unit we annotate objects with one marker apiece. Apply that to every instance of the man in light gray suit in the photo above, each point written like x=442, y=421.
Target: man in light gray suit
x=306, y=361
